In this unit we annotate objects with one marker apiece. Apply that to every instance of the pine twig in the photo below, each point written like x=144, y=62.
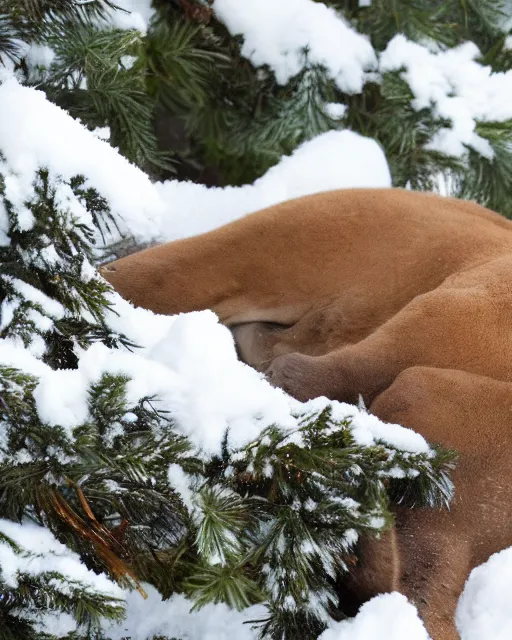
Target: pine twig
x=107, y=544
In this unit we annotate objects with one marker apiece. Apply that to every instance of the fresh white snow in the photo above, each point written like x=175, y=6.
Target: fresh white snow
x=458, y=87
x=484, y=611
x=386, y=617
x=40, y=554
x=172, y=619
x=278, y=34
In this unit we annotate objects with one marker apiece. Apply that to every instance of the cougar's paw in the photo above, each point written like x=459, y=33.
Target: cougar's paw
x=297, y=374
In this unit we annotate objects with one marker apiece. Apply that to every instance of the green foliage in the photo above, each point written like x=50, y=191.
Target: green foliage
x=489, y=181
x=282, y=119
x=385, y=113
x=418, y=20
x=48, y=285
x=447, y=22
x=92, y=74
x=180, y=99
x=181, y=56
x=115, y=463
x=284, y=514
x=49, y=591
x=9, y=45
x=97, y=78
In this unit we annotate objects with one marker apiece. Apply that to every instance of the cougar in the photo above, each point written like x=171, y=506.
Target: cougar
x=403, y=298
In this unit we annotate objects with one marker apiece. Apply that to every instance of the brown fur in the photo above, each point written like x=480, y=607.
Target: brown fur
x=405, y=298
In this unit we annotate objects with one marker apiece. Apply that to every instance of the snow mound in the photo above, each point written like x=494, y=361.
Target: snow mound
x=172, y=618
x=386, y=617
x=484, y=611
x=332, y=160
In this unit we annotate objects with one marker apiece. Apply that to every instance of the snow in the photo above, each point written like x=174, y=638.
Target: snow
x=61, y=624
x=484, y=610
x=366, y=428
x=12, y=355
x=53, y=308
x=41, y=554
x=130, y=14
x=215, y=390
x=26, y=146
x=180, y=482
x=456, y=86
x=207, y=392
x=61, y=399
x=335, y=110
x=22, y=292
x=279, y=34
x=40, y=55
x=387, y=617
x=172, y=619
x=333, y=160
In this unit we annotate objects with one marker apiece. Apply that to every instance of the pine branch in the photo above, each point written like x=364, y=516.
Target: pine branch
x=25, y=21
x=489, y=181
x=34, y=593
x=308, y=496
x=385, y=113
x=494, y=15
x=181, y=58
x=110, y=470
x=10, y=46
x=40, y=10
x=90, y=80
x=418, y=20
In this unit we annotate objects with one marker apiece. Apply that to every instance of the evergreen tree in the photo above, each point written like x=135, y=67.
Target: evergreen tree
x=222, y=121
